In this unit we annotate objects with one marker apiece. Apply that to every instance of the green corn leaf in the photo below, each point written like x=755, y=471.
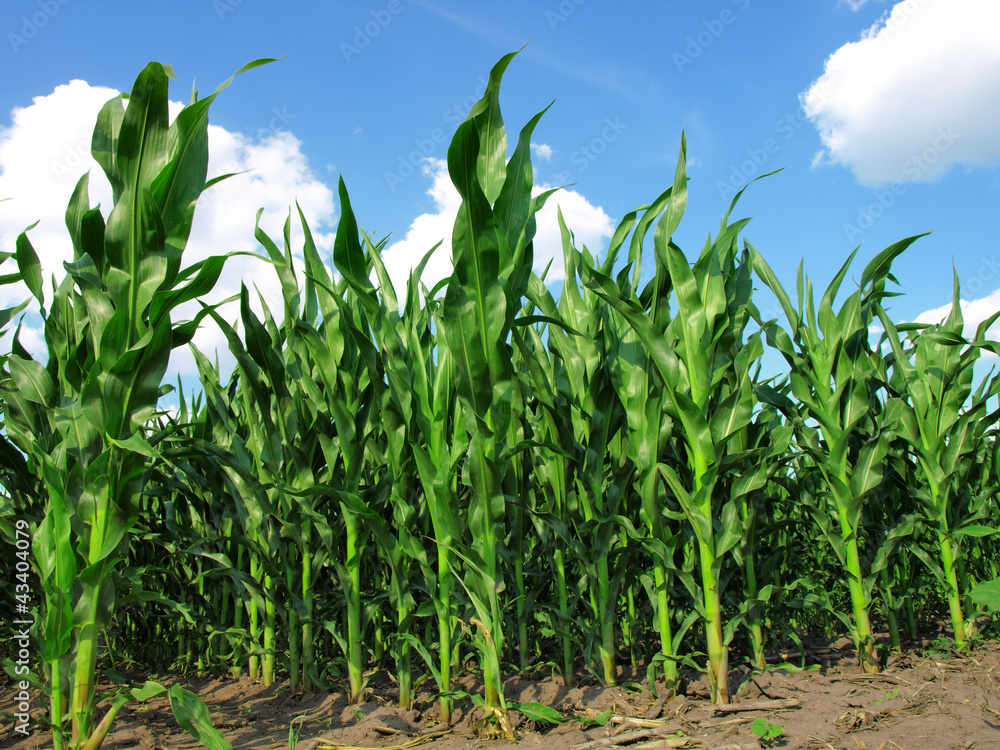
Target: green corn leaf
x=475, y=304
x=867, y=472
x=975, y=530
x=194, y=718
x=29, y=266
x=678, y=201
x=490, y=168
x=514, y=204
x=987, y=595
x=538, y=712
x=771, y=280
x=249, y=66
x=878, y=268
x=137, y=444
x=348, y=255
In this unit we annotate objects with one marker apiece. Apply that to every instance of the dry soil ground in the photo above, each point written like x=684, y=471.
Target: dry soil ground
x=923, y=701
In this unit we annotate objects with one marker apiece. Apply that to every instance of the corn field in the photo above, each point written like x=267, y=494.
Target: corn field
x=485, y=475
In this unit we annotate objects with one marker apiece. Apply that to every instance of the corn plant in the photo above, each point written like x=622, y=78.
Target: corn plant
x=17, y=479
x=589, y=391
x=436, y=440
x=395, y=530
x=367, y=318
x=703, y=365
x=208, y=469
x=835, y=374
x=492, y=257
x=943, y=422
x=81, y=418
x=556, y=447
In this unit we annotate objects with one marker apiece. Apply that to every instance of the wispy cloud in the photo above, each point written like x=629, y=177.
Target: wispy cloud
x=855, y=5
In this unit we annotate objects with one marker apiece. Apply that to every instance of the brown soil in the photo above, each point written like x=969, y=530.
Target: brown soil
x=920, y=702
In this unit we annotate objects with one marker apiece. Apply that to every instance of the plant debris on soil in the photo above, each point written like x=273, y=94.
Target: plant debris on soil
x=922, y=701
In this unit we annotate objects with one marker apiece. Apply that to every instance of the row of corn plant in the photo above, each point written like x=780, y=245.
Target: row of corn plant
x=487, y=471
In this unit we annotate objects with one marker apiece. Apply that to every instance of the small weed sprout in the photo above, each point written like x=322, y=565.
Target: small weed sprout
x=766, y=731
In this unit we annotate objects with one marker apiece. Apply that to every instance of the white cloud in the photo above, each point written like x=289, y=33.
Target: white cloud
x=46, y=148
x=916, y=95
x=425, y=231
x=590, y=225
x=43, y=153
x=542, y=151
x=974, y=312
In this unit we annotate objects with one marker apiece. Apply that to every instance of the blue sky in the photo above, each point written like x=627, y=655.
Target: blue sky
x=885, y=118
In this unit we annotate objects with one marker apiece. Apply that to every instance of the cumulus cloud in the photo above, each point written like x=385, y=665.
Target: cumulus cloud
x=590, y=224
x=43, y=152
x=542, y=151
x=45, y=149
x=425, y=232
x=974, y=312
x=917, y=94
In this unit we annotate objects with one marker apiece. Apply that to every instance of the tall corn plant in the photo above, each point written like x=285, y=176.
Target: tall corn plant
x=585, y=413
x=436, y=439
x=492, y=258
x=81, y=418
x=207, y=463
x=267, y=416
x=761, y=452
x=650, y=430
x=555, y=449
x=423, y=447
x=397, y=527
x=361, y=317
x=419, y=421
x=835, y=374
x=313, y=384
x=15, y=478
x=704, y=365
x=943, y=423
